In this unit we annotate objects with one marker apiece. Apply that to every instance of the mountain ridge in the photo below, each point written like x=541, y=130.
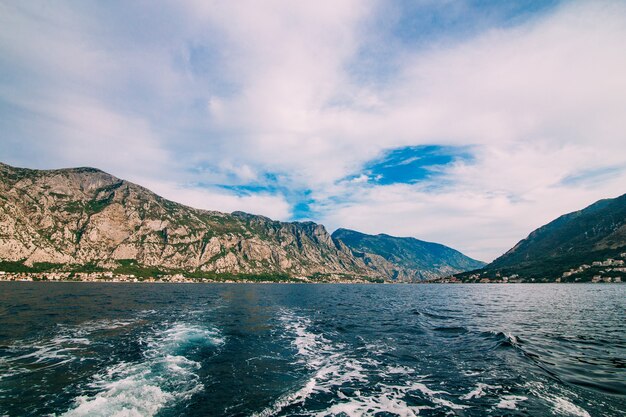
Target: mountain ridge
x=86, y=218
x=566, y=248
x=93, y=213
x=405, y=258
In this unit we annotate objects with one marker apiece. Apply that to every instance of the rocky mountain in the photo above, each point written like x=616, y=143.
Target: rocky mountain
x=405, y=258
x=89, y=219
x=567, y=248
x=84, y=219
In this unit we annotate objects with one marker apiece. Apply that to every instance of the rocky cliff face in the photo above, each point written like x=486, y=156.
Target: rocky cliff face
x=404, y=258
x=84, y=216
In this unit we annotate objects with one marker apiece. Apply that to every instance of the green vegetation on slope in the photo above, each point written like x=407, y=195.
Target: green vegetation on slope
x=572, y=241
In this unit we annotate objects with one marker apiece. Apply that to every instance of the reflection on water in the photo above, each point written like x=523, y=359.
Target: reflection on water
x=242, y=349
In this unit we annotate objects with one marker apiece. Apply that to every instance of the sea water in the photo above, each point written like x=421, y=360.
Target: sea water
x=87, y=349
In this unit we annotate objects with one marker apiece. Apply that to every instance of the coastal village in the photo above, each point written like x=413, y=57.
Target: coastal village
x=609, y=271
x=606, y=271
x=91, y=277
x=112, y=277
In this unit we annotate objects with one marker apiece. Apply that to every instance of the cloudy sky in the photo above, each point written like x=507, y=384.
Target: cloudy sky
x=468, y=123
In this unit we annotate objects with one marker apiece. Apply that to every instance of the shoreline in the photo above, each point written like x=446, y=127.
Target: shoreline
x=299, y=282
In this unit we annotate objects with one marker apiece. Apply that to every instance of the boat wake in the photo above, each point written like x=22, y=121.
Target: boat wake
x=67, y=344
x=350, y=382
x=165, y=375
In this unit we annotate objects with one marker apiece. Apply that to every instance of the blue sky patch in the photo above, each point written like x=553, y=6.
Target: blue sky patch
x=425, y=21
x=413, y=164
x=299, y=199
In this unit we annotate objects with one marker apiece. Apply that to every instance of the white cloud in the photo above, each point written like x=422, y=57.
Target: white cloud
x=273, y=206
x=217, y=92
x=480, y=224
x=541, y=102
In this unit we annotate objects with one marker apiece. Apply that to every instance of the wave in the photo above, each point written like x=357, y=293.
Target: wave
x=503, y=340
x=348, y=378
x=392, y=400
x=163, y=377
x=67, y=344
x=317, y=353
x=418, y=312
x=480, y=391
x=559, y=401
x=509, y=402
x=563, y=406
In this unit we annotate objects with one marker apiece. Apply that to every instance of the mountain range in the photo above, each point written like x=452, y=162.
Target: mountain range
x=585, y=245
x=405, y=258
x=84, y=219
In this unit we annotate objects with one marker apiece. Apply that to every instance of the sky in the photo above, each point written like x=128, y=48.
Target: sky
x=468, y=123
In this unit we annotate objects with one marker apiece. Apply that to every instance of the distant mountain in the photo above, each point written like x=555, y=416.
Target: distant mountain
x=566, y=248
x=86, y=219
x=405, y=258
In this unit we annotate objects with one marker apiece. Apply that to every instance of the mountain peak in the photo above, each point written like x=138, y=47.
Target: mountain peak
x=406, y=258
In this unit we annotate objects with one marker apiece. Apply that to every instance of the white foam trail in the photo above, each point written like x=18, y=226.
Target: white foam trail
x=479, y=391
x=402, y=370
x=389, y=402
x=317, y=353
x=163, y=377
x=57, y=350
x=509, y=402
x=562, y=406
x=334, y=369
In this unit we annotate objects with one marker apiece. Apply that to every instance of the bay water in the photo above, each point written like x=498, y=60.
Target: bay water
x=91, y=349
